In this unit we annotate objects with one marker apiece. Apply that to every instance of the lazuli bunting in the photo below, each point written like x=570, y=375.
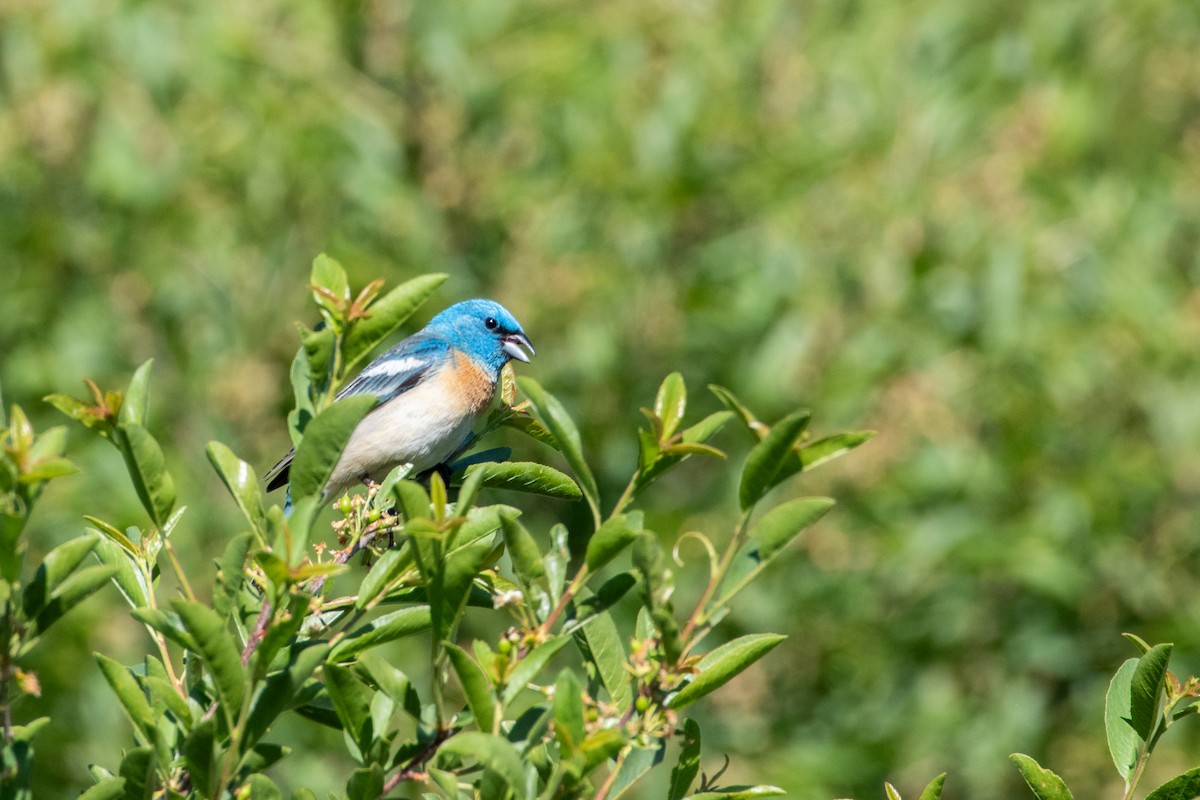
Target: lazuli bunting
x=431, y=389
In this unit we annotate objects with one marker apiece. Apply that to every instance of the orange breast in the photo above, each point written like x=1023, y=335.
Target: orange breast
x=473, y=385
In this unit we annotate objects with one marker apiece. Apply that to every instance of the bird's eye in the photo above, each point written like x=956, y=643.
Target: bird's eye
x=491, y=323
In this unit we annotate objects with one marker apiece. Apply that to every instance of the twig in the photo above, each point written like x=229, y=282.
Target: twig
x=410, y=771
x=256, y=635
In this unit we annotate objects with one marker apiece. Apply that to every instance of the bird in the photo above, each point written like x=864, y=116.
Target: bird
x=430, y=390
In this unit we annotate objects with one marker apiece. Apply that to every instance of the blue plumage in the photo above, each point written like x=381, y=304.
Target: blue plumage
x=431, y=389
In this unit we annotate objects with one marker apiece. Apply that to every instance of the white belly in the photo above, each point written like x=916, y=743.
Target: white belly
x=421, y=427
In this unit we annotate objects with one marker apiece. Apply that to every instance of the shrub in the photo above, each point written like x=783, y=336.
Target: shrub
x=557, y=706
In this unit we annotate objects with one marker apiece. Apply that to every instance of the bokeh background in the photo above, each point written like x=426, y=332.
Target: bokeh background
x=970, y=226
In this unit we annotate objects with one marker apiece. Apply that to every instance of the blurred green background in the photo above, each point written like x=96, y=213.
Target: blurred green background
x=971, y=226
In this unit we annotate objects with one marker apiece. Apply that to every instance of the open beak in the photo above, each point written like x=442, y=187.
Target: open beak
x=513, y=343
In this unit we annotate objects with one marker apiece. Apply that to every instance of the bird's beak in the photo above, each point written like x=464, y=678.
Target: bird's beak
x=513, y=343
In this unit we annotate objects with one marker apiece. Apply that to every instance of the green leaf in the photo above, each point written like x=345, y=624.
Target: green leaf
x=1181, y=787
x=130, y=695
x=241, y=481
x=689, y=761
x=324, y=439
x=670, y=403
x=389, y=567
x=199, y=750
x=231, y=574
x=303, y=412
x=723, y=664
x=494, y=753
x=527, y=476
x=352, y=703
x=111, y=533
x=412, y=499
x=262, y=788
x=392, y=682
x=138, y=770
x=739, y=793
x=552, y=414
x=528, y=668
x=765, y=460
x=890, y=791
x=386, y=315
x=639, y=761
x=449, y=590
x=1145, y=698
x=784, y=522
x=738, y=409
x=601, y=645
x=608, y=595
x=329, y=275
x=476, y=686
x=523, y=550
x=1123, y=740
x=365, y=783
x=1044, y=783
x=106, y=789
x=387, y=628
x=58, y=564
x=219, y=652
x=819, y=451
x=137, y=397
x=568, y=711
x=601, y=745
x=168, y=625
x=609, y=540
x=933, y=791
x=282, y=688
x=707, y=428
x=148, y=469
x=71, y=592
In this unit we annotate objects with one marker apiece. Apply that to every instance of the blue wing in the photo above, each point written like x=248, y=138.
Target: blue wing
x=399, y=369
x=387, y=377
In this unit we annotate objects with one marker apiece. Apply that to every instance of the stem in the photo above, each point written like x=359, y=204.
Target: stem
x=183, y=581
x=626, y=497
x=698, y=614
x=574, y=586
x=256, y=635
x=161, y=641
x=6, y=668
x=410, y=772
x=602, y=792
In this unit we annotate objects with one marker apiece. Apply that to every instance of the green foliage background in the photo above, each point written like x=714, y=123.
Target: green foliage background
x=971, y=226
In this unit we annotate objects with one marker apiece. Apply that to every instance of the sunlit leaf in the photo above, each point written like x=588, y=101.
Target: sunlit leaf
x=526, y=476
x=688, y=767
x=324, y=439
x=1181, y=787
x=1044, y=784
x=670, y=403
x=495, y=753
x=529, y=667
x=135, y=406
x=1146, y=690
x=609, y=540
x=1123, y=740
x=765, y=460
x=562, y=427
x=523, y=550
x=386, y=315
x=476, y=686
x=241, y=481
x=220, y=653
x=723, y=664
x=782, y=524
x=387, y=628
x=148, y=469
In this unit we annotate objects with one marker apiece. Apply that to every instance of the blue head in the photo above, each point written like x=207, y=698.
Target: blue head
x=484, y=330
